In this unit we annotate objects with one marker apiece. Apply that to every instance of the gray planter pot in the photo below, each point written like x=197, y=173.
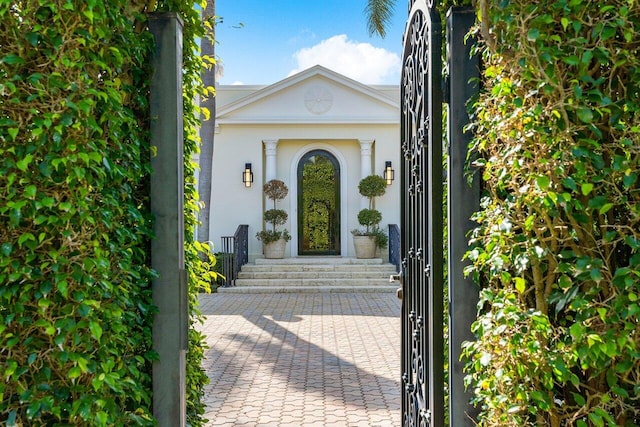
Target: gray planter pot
x=275, y=250
x=365, y=246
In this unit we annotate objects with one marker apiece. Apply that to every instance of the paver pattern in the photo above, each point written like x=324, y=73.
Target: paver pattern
x=325, y=359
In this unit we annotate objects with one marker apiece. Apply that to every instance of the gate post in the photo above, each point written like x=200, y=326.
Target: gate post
x=170, y=324
x=463, y=201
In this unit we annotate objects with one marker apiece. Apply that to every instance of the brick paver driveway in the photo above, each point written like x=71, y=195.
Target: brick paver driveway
x=325, y=359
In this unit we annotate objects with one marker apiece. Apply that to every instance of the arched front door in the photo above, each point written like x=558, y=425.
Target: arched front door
x=318, y=204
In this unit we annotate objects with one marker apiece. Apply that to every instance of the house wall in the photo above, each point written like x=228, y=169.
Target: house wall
x=249, y=115
x=233, y=204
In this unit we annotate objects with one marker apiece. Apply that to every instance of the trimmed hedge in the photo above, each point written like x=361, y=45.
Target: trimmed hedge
x=558, y=242
x=75, y=226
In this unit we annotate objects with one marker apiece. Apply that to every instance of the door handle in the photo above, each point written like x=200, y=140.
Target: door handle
x=398, y=278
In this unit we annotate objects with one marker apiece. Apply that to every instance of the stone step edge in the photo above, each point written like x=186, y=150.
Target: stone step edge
x=307, y=289
x=313, y=282
x=318, y=261
x=323, y=275
x=305, y=270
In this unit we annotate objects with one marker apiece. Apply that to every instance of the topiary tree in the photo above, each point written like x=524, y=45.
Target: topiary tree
x=371, y=187
x=274, y=190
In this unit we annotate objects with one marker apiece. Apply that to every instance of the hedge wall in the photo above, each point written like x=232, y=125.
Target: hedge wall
x=75, y=226
x=558, y=242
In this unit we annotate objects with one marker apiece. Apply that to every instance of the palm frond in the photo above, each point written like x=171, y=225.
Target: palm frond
x=379, y=13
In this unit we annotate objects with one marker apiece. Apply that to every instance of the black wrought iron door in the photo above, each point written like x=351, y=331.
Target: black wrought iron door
x=421, y=220
x=318, y=204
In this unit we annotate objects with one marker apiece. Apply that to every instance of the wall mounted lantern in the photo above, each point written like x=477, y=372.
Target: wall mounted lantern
x=389, y=173
x=247, y=175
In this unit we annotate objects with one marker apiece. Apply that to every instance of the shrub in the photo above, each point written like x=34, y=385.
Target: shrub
x=558, y=242
x=275, y=190
x=75, y=226
x=369, y=218
x=372, y=186
x=276, y=216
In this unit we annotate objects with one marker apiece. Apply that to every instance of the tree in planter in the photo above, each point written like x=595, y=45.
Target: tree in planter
x=274, y=190
x=372, y=187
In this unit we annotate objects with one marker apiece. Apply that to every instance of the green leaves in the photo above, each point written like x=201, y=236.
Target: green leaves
x=586, y=188
x=533, y=34
x=557, y=142
x=6, y=249
x=23, y=163
x=543, y=182
x=96, y=330
x=12, y=59
x=13, y=132
x=26, y=237
x=520, y=284
x=67, y=222
x=585, y=114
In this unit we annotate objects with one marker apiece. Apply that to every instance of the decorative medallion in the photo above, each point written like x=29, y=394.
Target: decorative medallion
x=318, y=99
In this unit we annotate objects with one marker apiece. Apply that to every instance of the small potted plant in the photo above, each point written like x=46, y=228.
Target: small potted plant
x=366, y=241
x=274, y=241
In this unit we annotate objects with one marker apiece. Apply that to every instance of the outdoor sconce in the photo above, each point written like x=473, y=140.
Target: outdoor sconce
x=247, y=175
x=389, y=173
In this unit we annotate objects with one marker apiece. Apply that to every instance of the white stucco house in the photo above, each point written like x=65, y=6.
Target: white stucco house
x=315, y=116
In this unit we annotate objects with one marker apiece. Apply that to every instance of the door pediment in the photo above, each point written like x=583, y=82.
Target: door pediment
x=316, y=95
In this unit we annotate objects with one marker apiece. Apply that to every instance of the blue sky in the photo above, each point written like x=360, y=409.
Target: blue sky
x=264, y=41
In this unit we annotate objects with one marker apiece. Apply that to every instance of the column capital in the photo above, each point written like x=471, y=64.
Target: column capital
x=270, y=151
x=365, y=146
x=270, y=146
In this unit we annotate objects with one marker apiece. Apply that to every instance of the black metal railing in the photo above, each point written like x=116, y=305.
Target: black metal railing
x=394, y=246
x=234, y=254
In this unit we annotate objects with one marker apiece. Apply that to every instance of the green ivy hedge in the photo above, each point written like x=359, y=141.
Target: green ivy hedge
x=199, y=260
x=75, y=226
x=558, y=243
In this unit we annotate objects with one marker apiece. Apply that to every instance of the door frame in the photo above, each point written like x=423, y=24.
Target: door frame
x=293, y=184
x=335, y=249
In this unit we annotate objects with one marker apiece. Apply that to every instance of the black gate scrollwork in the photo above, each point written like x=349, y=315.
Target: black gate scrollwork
x=421, y=145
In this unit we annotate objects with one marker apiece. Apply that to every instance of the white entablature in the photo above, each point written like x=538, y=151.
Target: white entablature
x=316, y=95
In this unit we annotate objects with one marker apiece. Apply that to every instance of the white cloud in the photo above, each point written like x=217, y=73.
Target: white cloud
x=237, y=83
x=362, y=62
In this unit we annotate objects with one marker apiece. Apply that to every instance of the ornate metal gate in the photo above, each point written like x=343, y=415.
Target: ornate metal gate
x=422, y=292
x=422, y=239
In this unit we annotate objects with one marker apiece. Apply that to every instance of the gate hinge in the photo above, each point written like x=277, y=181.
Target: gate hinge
x=446, y=92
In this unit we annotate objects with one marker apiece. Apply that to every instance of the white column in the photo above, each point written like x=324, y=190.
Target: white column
x=365, y=165
x=270, y=154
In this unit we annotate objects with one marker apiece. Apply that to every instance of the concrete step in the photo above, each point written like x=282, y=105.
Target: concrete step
x=247, y=275
x=318, y=268
x=312, y=282
x=307, y=289
x=314, y=274
x=333, y=260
